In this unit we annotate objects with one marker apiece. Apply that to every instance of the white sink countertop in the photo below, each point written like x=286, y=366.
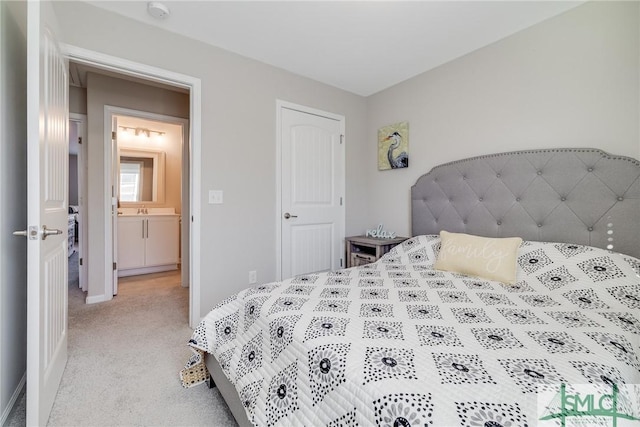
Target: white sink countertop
x=146, y=211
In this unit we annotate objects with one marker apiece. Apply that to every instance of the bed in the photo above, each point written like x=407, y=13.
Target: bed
x=398, y=342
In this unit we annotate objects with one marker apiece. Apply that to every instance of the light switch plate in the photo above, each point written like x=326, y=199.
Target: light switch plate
x=215, y=197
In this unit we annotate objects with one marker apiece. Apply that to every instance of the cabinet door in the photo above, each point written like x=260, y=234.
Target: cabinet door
x=130, y=243
x=162, y=241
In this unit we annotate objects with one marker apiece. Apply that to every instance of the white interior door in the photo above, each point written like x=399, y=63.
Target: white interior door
x=83, y=177
x=312, y=200
x=185, y=211
x=80, y=120
x=115, y=196
x=47, y=179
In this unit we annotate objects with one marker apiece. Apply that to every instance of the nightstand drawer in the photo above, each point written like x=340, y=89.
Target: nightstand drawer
x=361, y=259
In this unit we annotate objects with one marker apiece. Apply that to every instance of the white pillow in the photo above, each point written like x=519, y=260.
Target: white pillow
x=489, y=258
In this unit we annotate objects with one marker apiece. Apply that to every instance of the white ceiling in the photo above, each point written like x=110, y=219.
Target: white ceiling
x=360, y=46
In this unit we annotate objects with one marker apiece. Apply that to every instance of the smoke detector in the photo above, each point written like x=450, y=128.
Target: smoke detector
x=158, y=10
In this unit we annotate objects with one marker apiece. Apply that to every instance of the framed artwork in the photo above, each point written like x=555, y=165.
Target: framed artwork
x=393, y=146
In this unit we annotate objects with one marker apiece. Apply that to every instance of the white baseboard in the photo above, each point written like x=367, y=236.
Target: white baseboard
x=95, y=299
x=12, y=401
x=147, y=270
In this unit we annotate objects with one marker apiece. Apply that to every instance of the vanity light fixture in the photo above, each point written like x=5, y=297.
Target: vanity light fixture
x=142, y=131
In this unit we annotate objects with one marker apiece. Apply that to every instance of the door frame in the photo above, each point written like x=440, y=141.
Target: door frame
x=194, y=85
x=81, y=119
x=280, y=105
x=109, y=113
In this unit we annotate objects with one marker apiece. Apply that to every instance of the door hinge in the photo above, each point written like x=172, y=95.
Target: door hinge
x=113, y=134
x=80, y=140
x=341, y=139
x=340, y=262
x=115, y=265
x=80, y=261
x=340, y=201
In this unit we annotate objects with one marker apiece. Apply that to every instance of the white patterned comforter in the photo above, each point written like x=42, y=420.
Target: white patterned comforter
x=398, y=343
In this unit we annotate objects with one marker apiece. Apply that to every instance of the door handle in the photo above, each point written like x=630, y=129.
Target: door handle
x=287, y=215
x=49, y=232
x=32, y=232
x=145, y=228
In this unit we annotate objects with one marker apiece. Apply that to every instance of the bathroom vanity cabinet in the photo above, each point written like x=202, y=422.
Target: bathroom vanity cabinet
x=148, y=244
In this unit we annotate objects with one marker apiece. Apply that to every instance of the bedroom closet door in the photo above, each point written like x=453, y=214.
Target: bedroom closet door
x=47, y=182
x=312, y=200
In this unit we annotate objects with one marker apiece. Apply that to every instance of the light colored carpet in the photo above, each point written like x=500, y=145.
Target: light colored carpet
x=18, y=415
x=124, y=358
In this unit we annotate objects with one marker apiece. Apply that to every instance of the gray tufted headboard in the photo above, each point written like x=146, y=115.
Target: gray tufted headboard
x=583, y=196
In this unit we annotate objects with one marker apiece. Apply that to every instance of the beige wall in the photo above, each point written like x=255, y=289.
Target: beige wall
x=13, y=199
x=238, y=139
x=571, y=81
x=77, y=100
x=73, y=179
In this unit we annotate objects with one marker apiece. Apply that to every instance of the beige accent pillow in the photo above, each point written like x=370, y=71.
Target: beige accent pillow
x=489, y=258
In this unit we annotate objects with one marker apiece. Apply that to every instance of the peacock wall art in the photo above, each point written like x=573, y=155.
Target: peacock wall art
x=393, y=146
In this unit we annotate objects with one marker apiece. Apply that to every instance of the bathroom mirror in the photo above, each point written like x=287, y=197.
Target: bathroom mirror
x=141, y=176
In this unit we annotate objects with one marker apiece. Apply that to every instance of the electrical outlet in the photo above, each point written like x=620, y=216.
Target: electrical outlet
x=253, y=277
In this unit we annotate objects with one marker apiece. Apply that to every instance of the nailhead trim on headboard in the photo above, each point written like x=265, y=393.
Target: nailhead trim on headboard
x=575, y=195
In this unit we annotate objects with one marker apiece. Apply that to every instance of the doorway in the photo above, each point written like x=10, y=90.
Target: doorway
x=191, y=224
x=150, y=170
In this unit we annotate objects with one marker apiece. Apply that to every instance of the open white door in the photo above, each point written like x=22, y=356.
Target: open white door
x=115, y=196
x=80, y=120
x=47, y=181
